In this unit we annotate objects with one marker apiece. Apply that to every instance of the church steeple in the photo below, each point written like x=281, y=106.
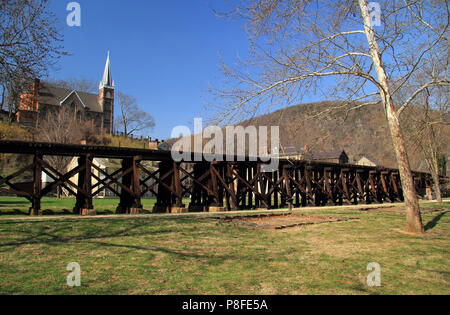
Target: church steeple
x=107, y=77
x=106, y=98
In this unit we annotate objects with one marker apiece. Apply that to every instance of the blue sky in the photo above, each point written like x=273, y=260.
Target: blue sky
x=165, y=53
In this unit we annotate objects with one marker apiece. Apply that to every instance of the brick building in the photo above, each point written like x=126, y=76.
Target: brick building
x=45, y=98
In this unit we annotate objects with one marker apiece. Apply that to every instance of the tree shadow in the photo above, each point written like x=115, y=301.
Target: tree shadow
x=187, y=253
x=56, y=236
x=60, y=212
x=13, y=212
x=14, y=202
x=435, y=221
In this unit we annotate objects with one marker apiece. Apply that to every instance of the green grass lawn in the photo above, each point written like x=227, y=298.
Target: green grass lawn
x=201, y=255
x=12, y=206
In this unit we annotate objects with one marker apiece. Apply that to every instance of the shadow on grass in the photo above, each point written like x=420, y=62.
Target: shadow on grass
x=52, y=212
x=25, y=212
x=49, y=234
x=14, y=202
x=435, y=221
x=62, y=212
x=212, y=256
x=71, y=212
x=54, y=236
x=13, y=212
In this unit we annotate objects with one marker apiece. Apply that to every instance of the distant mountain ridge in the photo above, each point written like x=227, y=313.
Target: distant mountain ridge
x=360, y=132
x=330, y=126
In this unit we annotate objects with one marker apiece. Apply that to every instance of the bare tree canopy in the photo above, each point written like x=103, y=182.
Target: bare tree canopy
x=29, y=43
x=59, y=126
x=299, y=48
x=62, y=126
x=81, y=84
x=427, y=128
x=131, y=119
x=333, y=49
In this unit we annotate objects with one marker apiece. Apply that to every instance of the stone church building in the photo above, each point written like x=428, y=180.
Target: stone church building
x=45, y=98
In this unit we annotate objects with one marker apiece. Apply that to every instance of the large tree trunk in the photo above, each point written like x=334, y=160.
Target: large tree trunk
x=413, y=218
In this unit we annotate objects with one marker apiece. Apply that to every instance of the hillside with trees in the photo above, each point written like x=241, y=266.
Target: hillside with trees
x=325, y=127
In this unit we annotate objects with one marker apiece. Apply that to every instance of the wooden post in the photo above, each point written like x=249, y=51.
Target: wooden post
x=136, y=206
x=221, y=188
x=196, y=204
x=396, y=186
x=297, y=190
x=386, y=190
x=177, y=198
x=302, y=180
x=250, y=192
x=234, y=202
x=163, y=201
x=361, y=197
x=344, y=179
x=37, y=186
x=288, y=190
x=84, y=205
x=327, y=174
x=317, y=191
x=275, y=188
x=215, y=202
x=309, y=189
x=214, y=185
x=373, y=189
x=125, y=198
x=263, y=189
x=130, y=193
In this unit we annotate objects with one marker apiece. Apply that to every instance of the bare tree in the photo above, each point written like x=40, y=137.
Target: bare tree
x=81, y=84
x=131, y=119
x=332, y=48
x=62, y=126
x=29, y=44
x=427, y=127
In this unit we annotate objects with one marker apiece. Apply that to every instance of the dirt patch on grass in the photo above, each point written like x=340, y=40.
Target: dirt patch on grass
x=281, y=221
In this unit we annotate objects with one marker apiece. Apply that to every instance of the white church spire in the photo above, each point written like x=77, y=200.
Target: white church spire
x=107, y=77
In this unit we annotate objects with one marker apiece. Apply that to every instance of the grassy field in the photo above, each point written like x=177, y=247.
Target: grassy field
x=201, y=255
x=12, y=206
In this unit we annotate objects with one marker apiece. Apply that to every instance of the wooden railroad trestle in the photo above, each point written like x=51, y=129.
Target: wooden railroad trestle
x=210, y=186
